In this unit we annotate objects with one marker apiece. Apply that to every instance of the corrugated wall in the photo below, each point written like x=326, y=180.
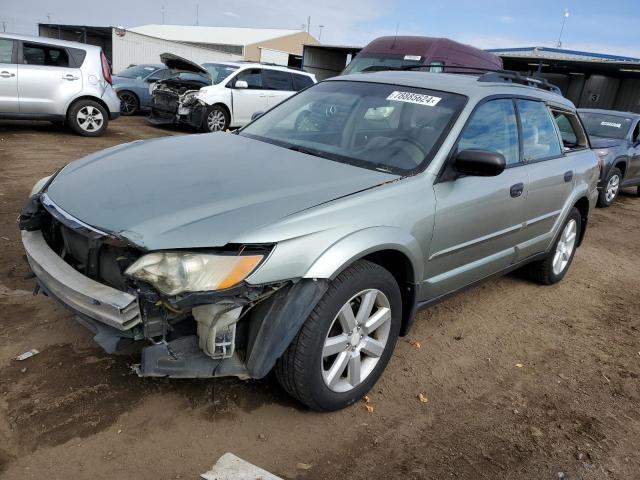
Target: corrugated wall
x=628, y=95
x=134, y=48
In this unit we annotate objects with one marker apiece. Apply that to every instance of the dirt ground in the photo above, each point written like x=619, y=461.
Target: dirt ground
x=522, y=381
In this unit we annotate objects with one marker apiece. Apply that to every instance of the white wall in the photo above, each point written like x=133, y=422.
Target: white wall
x=134, y=48
x=268, y=55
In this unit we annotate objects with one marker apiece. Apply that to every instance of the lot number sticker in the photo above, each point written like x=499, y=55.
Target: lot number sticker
x=418, y=98
x=611, y=124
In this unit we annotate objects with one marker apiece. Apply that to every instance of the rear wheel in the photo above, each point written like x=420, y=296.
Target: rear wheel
x=347, y=341
x=129, y=103
x=88, y=118
x=611, y=188
x=554, y=267
x=216, y=119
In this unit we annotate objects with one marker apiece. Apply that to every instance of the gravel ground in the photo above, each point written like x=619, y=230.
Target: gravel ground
x=521, y=381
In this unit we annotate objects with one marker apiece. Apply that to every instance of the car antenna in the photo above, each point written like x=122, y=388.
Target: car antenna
x=393, y=45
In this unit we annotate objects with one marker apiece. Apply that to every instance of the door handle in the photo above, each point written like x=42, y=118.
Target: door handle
x=6, y=74
x=568, y=176
x=69, y=77
x=516, y=190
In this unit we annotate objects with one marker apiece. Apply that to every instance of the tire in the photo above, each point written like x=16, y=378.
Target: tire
x=308, y=375
x=86, y=108
x=638, y=191
x=216, y=119
x=129, y=102
x=544, y=271
x=611, y=188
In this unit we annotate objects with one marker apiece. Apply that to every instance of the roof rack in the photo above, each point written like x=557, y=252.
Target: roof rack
x=492, y=75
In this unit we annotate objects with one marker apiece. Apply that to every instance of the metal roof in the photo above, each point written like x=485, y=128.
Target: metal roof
x=214, y=35
x=560, y=54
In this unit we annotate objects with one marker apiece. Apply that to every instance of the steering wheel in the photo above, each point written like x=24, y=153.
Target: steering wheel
x=411, y=151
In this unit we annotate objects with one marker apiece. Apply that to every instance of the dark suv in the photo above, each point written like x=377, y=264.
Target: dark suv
x=615, y=137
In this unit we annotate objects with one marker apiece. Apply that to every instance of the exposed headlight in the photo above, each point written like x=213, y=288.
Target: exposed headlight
x=38, y=186
x=602, y=153
x=178, y=272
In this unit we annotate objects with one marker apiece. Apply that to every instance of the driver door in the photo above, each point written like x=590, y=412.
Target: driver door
x=478, y=220
x=247, y=101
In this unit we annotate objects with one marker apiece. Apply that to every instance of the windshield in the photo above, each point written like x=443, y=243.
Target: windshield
x=219, y=71
x=607, y=126
x=138, y=71
x=377, y=126
x=381, y=61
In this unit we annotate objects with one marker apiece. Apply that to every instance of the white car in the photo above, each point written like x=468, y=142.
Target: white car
x=238, y=90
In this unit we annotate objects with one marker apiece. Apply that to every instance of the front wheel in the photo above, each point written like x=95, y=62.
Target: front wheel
x=554, y=267
x=88, y=118
x=216, y=119
x=347, y=341
x=611, y=188
x=129, y=103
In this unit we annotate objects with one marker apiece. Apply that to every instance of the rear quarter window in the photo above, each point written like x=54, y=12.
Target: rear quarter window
x=571, y=132
x=300, y=82
x=539, y=138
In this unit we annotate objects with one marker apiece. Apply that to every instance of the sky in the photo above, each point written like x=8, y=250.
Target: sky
x=592, y=25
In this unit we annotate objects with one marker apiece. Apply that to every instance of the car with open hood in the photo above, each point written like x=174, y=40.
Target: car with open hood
x=306, y=242
x=133, y=86
x=237, y=91
x=615, y=137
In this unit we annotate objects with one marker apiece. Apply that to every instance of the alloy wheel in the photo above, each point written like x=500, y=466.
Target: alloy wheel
x=128, y=103
x=216, y=120
x=89, y=118
x=356, y=340
x=565, y=246
x=613, y=185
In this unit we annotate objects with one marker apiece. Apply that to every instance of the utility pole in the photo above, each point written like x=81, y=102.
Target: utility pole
x=48, y=18
x=308, y=27
x=162, y=10
x=320, y=34
x=4, y=26
x=197, y=14
x=564, y=20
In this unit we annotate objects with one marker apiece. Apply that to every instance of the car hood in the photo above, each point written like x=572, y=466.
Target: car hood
x=602, y=142
x=175, y=62
x=199, y=190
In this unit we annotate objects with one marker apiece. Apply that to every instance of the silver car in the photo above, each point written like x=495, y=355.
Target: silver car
x=65, y=82
x=307, y=242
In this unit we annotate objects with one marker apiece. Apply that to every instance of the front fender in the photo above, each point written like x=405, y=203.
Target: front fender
x=362, y=243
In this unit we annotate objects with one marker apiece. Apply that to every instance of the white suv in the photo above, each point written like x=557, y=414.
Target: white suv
x=47, y=79
x=238, y=91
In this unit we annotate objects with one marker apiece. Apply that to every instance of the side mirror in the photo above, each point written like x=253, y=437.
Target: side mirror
x=241, y=84
x=479, y=163
x=256, y=115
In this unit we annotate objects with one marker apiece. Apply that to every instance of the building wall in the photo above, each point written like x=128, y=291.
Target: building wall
x=628, y=99
x=134, y=48
x=289, y=43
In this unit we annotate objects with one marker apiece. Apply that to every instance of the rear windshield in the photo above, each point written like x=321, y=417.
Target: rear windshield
x=138, y=71
x=219, y=71
x=607, y=126
x=383, y=127
x=369, y=62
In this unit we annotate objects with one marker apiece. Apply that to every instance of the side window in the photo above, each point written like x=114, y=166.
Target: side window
x=301, y=81
x=277, y=80
x=539, y=137
x=158, y=75
x=636, y=133
x=252, y=76
x=33, y=54
x=571, y=132
x=6, y=51
x=493, y=127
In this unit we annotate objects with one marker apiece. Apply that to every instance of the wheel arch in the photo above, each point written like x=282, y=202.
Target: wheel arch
x=582, y=205
x=620, y=164
x=87, y=97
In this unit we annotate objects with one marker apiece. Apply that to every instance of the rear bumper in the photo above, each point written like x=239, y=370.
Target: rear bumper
x=117, y=309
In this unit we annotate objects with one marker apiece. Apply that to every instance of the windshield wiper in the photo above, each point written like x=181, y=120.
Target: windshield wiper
x=308, y=151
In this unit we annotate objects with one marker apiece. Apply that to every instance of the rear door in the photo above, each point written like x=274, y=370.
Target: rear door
x=8, y=76
x=280, y=85
x=550, y=169
x=479, y=219
x=247, y=101
x=47, y=79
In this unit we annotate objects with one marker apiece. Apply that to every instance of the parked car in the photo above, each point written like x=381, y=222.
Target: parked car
x=615, y=136
x=132, y=86
x=237, y=91
x=309, y=250
x=392, y=53
x=63, y=82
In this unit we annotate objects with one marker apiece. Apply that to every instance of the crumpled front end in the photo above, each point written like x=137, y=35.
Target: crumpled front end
x=237, y=331
x=171, y=106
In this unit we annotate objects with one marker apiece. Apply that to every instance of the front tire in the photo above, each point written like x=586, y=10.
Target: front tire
x=129, y=102
x=347, y=341
x=554, y=267
x=88, y=118
x=611, y=188
x=216, y=119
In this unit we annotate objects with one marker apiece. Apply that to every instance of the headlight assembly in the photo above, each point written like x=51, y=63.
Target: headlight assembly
x=178, y=272
x=39, y=185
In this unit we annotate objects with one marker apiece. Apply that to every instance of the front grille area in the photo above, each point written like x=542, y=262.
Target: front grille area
x=164, y=100
x=100, y=259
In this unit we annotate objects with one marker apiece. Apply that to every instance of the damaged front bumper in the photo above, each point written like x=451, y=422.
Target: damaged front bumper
x=183, y=110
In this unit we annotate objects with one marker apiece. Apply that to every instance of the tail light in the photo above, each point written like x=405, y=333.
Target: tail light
x=106, y=70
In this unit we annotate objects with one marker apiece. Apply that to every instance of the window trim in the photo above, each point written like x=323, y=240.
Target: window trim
x=71, y=63
x=565, y=111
